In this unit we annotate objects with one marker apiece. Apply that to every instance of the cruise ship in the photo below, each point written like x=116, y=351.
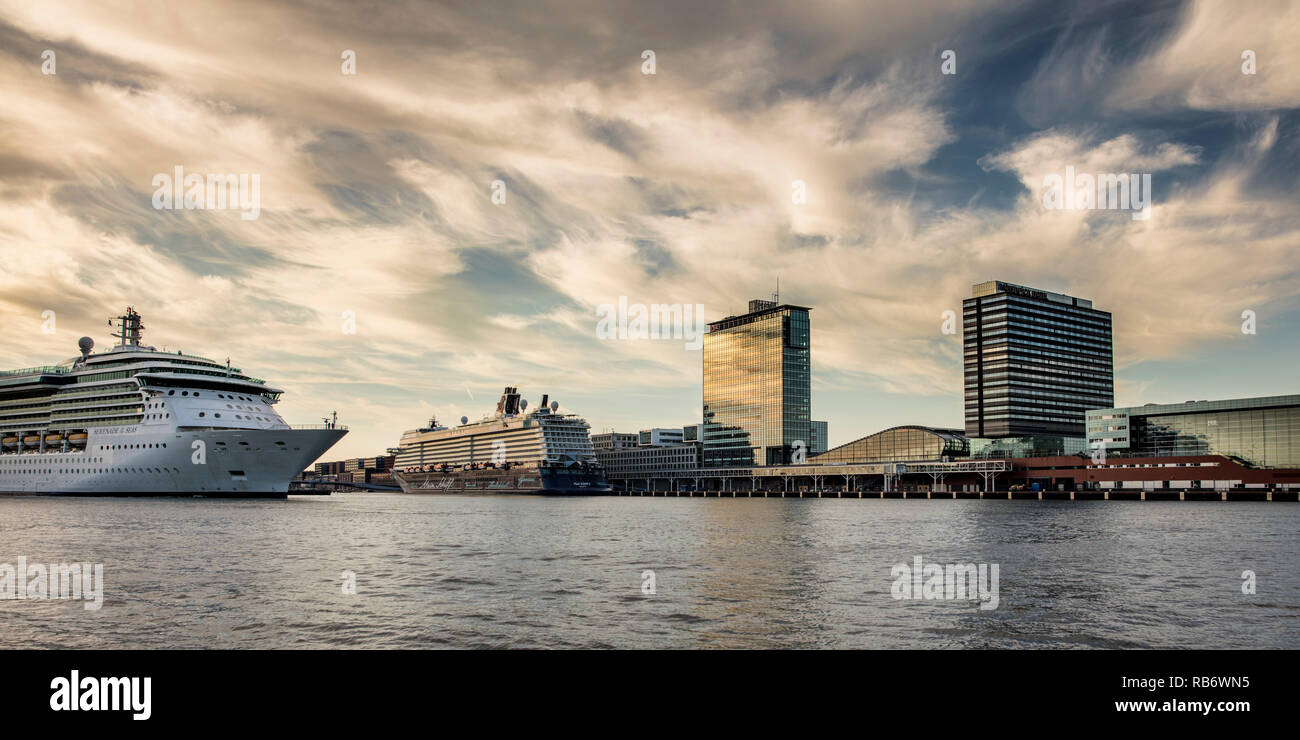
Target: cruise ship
x=515, y=451
x=137, y=421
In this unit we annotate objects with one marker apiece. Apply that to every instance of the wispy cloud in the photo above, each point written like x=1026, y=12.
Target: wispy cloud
x=377, y=188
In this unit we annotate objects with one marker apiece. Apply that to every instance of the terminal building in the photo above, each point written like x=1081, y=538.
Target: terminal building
x=1260, y=432
x=901, y=444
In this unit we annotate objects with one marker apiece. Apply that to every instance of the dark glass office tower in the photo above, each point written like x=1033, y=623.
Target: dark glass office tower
x=1035, y=361
x=757, y=397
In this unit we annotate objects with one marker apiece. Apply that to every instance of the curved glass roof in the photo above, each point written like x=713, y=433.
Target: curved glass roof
x=900, y=444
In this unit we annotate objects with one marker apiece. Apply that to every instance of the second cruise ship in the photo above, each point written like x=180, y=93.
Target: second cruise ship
x=137, y=421
x=515, y=451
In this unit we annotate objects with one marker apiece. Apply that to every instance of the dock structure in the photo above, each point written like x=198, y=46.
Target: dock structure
x=958, y=479
x=797, y=480
x=1110, y=495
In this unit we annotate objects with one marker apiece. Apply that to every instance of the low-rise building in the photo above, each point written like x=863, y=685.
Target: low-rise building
x=1262, y=432
x=650, y=451
x=613, y=441
x=659, y=437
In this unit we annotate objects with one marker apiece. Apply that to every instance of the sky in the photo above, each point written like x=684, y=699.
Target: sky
x=449, y=192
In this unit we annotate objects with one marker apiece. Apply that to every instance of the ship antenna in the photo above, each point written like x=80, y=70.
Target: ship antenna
x=131, y=328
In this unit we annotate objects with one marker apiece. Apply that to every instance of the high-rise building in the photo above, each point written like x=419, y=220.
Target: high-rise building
x=757, y=395
x=1035, y=361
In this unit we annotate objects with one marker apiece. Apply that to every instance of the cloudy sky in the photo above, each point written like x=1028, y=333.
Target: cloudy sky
x=674, y=187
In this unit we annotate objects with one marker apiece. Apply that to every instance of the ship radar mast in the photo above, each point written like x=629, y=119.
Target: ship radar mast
x=130, y=328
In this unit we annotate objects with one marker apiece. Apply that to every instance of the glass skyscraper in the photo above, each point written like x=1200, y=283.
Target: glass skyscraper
x=757, y=395
x=1035, y=361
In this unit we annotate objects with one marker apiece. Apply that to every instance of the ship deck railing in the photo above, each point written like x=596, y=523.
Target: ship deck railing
x=318, y=426
x=41, y=370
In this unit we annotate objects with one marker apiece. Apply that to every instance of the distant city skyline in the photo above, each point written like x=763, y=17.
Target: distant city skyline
x=448, y=220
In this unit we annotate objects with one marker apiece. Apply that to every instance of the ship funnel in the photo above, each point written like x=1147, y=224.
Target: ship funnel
x=509, y=403
x=544, y=397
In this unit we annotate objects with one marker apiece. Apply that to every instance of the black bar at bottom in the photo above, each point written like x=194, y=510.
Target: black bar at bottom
x=963, y=690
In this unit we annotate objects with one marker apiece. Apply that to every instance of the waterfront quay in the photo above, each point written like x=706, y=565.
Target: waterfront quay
x=1117, y=494
x=1046, y=478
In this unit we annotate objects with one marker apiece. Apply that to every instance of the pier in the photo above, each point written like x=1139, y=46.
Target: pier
x=959, y=479
x=1287, y=495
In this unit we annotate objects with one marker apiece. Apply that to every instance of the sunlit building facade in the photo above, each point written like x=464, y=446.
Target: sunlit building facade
x=757, y=386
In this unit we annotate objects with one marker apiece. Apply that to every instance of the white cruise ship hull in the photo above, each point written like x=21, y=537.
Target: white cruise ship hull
x=168, y=462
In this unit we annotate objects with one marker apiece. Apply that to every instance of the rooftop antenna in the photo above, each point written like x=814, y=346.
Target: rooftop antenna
x=776, y=297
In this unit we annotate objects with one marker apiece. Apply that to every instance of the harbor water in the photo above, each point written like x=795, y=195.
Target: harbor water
x=615, y=572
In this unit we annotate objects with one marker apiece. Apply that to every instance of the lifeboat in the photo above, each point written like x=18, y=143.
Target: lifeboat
x=77, y=439
x=9, y=442
x=33, y=440
x=53, y=439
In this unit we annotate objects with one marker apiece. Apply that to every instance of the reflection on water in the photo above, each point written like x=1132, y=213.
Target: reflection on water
x=441, y=571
